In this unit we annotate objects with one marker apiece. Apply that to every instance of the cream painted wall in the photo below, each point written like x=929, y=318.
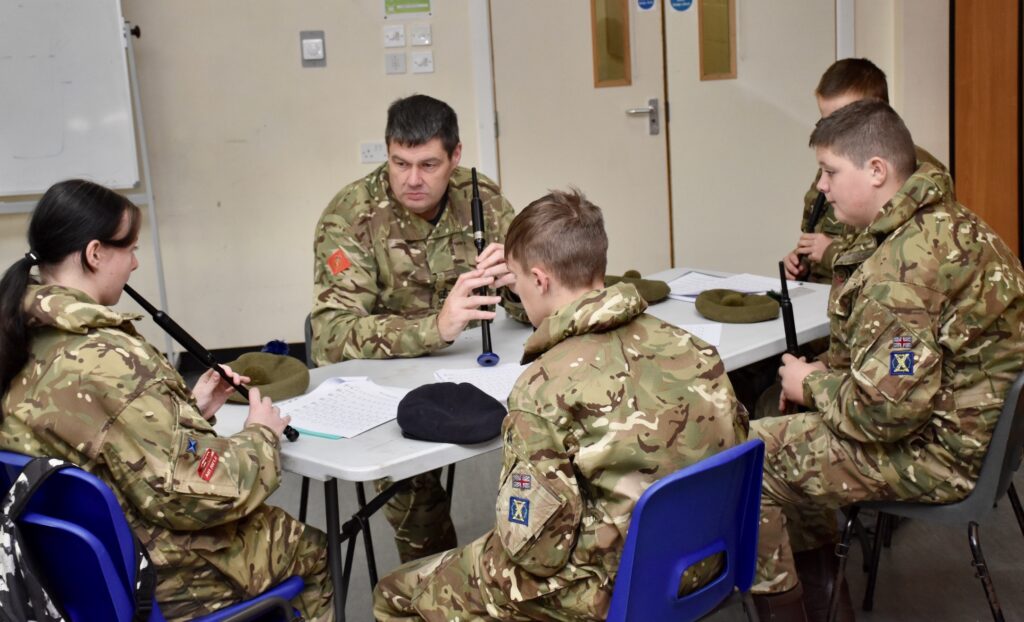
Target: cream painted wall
x=247, y=147
x=909, y=41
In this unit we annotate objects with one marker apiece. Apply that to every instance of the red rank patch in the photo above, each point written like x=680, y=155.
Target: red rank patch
x=208, y=464
x=338, y=262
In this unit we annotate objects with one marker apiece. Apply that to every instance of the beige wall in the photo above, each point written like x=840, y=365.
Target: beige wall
x=247, y=147
x=909, y=41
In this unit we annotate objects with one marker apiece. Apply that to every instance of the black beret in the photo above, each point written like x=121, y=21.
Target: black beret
x=446, y=412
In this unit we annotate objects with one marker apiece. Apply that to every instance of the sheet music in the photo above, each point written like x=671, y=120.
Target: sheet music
x=692, y=283
x=711, y=333
x=495, y=381
x=343, y=407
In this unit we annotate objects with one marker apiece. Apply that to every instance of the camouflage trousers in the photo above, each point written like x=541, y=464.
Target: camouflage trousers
x=809, y=473
x=421, y=516
x=268, y=547
x=467, y=584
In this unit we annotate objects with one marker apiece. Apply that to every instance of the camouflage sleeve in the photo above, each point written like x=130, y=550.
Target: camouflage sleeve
x=836, y=248
x=809, y=197
x=896, y=368
x=345, y=292
x=539, y=506
x=511, y=303
x=169, y=463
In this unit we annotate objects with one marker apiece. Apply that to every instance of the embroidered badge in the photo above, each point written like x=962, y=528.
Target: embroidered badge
x=208, y=464
x=338, y=262
x=522, y=481
x=902, y=342
x=901, y=363
x=519, y=510
x=192, y=448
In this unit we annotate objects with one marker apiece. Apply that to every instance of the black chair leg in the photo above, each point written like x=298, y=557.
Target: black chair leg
x=303, y=499
x=981, y=571
x=881, y=525
x=842, y=551
x=865, y=545
x=1015, y=502
x=371, y=561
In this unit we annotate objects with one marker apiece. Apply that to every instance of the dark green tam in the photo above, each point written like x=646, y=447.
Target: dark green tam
x=726, y=305
x=276, y=376
x=651, y=291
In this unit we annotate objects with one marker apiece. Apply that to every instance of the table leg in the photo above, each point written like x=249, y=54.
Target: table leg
x=303, y=499
x=338, y=578
x=371, y=561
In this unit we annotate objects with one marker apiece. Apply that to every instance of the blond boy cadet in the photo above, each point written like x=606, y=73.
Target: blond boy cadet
x=927, y=335
x=613, y=400
x=395, y=273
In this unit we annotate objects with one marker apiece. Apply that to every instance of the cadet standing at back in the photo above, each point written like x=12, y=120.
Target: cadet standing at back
x=395, y=271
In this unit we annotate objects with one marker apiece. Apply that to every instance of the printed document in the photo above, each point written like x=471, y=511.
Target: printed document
x=495, y=381
x=343, y=407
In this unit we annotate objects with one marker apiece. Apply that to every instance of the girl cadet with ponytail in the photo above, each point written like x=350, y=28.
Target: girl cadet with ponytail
x=80, y=384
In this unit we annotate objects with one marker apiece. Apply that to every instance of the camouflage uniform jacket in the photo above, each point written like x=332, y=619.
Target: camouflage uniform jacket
x=843, y=236
x=614, y=400
x=96, y=394
x=927, y=335
x=381, y=273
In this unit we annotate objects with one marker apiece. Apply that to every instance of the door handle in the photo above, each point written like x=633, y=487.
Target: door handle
x=653, y=125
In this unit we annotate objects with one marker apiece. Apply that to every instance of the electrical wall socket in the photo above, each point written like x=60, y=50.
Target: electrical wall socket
x=370, y=153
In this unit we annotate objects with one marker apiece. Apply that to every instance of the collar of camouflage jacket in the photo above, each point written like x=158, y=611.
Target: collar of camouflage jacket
x=594, y=312
x=413, y=227
x=928, y=185
x=70, y=310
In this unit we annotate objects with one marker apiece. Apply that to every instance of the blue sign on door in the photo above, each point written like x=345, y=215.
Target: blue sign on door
x=645, y=5
x=681, y=5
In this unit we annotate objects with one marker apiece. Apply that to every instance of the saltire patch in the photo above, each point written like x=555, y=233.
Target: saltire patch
x=901, y=363
x=519, y=510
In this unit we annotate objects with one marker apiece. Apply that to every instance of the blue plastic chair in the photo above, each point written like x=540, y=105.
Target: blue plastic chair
x=86, y=550
x=706, y=508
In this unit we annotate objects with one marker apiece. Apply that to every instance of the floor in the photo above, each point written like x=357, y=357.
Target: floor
x=926, y=575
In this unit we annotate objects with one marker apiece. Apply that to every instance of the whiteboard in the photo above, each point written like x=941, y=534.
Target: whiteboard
x=65, y=100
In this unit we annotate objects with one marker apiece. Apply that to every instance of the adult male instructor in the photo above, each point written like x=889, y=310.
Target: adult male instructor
x=395, y=271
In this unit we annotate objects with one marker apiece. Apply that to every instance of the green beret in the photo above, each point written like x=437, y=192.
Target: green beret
x=651, y=291
x=726, y=305
x=276, y=376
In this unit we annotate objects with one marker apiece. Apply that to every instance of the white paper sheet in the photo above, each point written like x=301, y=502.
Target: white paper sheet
x=495, y=381
x=690, y=284
x=343, y=407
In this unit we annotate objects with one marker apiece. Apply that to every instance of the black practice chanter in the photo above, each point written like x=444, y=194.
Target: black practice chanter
x=178, y=333
x=487, y=358
x=788, y=321
x=816, y=211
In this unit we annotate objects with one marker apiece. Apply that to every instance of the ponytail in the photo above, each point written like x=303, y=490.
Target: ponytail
x=67, y=218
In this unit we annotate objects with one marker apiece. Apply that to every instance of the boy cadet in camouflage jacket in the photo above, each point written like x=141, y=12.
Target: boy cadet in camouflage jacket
x=98, y=395
x=613, y=400
x=845, y=81
x=927, y=335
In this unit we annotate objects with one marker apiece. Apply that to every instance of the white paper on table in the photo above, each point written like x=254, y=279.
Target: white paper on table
x=495, y=381
x=711, y=333
x=689, y=284
x=343, y=407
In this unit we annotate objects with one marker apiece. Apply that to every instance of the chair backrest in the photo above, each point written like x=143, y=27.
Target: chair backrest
x=308, y=331
x=77, y=566
x=706, y=508
x=78, y=497
x=1005, y=449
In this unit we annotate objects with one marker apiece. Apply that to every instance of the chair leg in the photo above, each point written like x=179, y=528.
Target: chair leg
x=842, y=551
x=303, y=499
x=865, y=545
x=1015, y=502
x=981, y=571
x=881, y=524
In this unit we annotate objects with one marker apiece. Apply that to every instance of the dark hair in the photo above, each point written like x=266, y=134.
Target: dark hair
x=564, y=232
x=418, y=119
x=853, y=75
x=69, y=215
x=866, y=129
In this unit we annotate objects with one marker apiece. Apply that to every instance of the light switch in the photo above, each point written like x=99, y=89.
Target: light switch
x=420, y=34
x=394, y=62
x=312, y=48
x=423, y=62
x=394, y=36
